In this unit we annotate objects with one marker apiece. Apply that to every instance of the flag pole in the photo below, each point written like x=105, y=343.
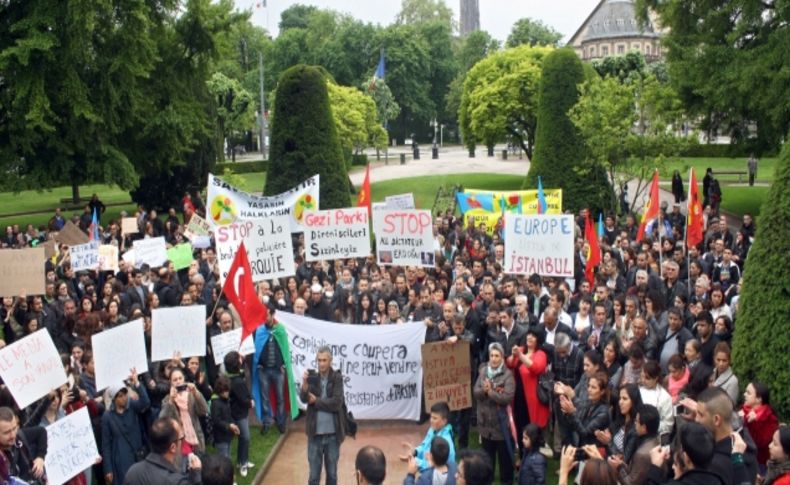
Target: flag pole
x=686, y=234
x=219, y=297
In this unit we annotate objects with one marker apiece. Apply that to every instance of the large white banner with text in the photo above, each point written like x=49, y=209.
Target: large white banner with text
x=381, y=364
x=227, y=204
x=541, y=244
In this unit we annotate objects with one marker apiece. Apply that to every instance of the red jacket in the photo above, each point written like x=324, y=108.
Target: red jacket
x=762, y=429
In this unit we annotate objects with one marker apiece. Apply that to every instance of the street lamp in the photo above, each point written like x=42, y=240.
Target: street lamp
x=435, y=148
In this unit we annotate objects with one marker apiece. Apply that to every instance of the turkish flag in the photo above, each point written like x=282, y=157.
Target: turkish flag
x=694, y=230
x=363, y=197
x=651, y=209
x=240, y=291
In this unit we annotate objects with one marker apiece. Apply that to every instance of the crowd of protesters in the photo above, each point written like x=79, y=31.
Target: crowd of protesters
x=597, y=373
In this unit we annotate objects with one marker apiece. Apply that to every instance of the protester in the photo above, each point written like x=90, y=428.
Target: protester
x=160, y=466
x=759, y=418
x=533, y=464
x=371, y=466
x=240, y=404
x=122, y=441
x=779, y=462
x=440, y=414
x=474, y=468
x=442, y=467
x=23, y=450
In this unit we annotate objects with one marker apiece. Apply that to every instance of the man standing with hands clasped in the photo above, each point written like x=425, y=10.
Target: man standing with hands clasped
x=323, y=393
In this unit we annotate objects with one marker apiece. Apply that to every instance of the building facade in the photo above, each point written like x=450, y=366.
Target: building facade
x=613, y=29
x=470, y=17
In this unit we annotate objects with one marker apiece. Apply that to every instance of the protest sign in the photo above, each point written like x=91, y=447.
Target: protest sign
x=128, y=256
x=180, y=255
x=151, y=251
x=85, y=256
x=229, y=341
x=268, y=243
x=178, y=329
x=129, y=226
x=71, y=447
x=197, y=227
x=227, y=204
x=71, y=235
x=116, y=351
x=541, y=244
x=400, y=201
x=50, y=248
x=447, y=374
x=404, y=237
x=108, y=257
x=336, y=233
x=31, y=367
x=479, y=217
x=381, y=364
x=22, y=271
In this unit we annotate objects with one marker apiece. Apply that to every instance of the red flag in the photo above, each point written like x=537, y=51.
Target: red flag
x=694, y=231
x=241, y=293
x=651, y=208
x=594, y=255
x=363, y=197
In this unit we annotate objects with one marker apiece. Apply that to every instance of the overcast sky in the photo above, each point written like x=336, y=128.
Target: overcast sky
x=496, y=16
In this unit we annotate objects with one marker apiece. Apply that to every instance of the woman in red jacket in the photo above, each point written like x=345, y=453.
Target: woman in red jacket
x=530, y=362
x=779, y=464
x=759, y=419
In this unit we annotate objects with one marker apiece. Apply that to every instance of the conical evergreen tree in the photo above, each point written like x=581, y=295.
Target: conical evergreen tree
x=304, y=138
x=761, y=344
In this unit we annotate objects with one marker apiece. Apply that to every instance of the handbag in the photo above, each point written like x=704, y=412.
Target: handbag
x=545, y=387
x=351, y=423
x=140, y=453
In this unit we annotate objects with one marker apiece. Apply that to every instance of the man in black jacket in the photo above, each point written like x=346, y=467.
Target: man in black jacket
x=691, y=460
x=159, y=466
x=318, y=308
x=23, y=450
x=325, y=425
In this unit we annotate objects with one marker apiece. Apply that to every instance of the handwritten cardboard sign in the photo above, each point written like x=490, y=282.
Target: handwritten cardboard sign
x=178, y=329
x=71, y=447
x=108, y=257
x=404, y=237
x=129, y=226
x=31, y=367
x=180, y=255
x=151, y=251
x=85, y=256
x=268, y=243
x=400, y=201
x=541, y=244
x=447, y=374
x=71, y=235
x=116, y=351
x=22, y=270
x=229, y=341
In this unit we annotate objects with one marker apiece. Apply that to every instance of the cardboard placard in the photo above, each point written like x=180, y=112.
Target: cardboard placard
x=129, y=226
x=108, y=257
x=178, y=329
x=180, y=255
x=31, y=367
x=85, y=256
x=71, y=447
x=116, y=351
x=71, y=235
x=447, y=374
x=22, y=271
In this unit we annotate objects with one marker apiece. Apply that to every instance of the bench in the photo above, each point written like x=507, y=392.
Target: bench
x=739, y=173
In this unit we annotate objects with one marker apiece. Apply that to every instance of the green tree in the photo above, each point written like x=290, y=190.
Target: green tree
x=628, y=129
x=425, y=11
x=500, y=98
x=630, y=66
x=356, y=119
x=235, y=108
x=561, y=158
x=297, y=16
x=759, y=343
x=471, y=50
x=304, y=139
x=387, y=109
x=728, y=61
x=532, y=32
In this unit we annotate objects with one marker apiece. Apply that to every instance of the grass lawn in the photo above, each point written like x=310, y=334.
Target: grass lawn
x=765, y=168
x=740, y=200
x=260, y=447
x=551, y=470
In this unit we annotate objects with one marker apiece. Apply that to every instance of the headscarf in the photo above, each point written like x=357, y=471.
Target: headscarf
x=491, y=372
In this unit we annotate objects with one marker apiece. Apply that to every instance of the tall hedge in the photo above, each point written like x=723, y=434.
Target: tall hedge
x=304, y=139
x=560, y=154
x=761, y=344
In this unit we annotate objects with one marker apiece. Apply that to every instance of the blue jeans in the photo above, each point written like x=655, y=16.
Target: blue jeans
x=223, y=449
x=243, y=448
x=273, y=377
x=323, y=450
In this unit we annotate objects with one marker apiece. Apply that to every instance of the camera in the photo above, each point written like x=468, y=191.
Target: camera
x=680, y=409
x=312, y=378
x=580, y=455
x=181, y=388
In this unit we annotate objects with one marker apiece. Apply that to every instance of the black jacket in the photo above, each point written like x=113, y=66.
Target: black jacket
x=31, y=443
x=692, y=477
x=588, y=419
x=332, y=403
x=240, y=397
x=155, y=470
x=221, y=419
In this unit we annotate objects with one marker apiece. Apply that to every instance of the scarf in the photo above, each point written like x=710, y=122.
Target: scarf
x=775, y=470
x=493, y=372
x=182, y=403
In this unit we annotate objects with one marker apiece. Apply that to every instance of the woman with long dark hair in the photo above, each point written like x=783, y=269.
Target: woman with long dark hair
x=677, y=188
x=621, y=437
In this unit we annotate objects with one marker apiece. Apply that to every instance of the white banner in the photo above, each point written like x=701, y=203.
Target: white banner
x=337, y=233
x=229, y=341
x=227, y=204
x=151, y=251
x=541, y=244
x=31, y=367
x=404, y=237
x=268, y=243
x=71, y=447
x=381, y=364
x=116, y=351
x=85, y=256
x=400, y=201
x=178, y=329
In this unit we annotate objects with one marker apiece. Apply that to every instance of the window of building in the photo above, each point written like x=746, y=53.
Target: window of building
x=605, y=51
x=592, y=52
x=647, y=49
x=621, y=22
x=621, y=49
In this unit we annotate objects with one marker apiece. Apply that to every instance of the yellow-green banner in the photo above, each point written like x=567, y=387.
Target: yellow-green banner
x=479, y=216
x=528, y=200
